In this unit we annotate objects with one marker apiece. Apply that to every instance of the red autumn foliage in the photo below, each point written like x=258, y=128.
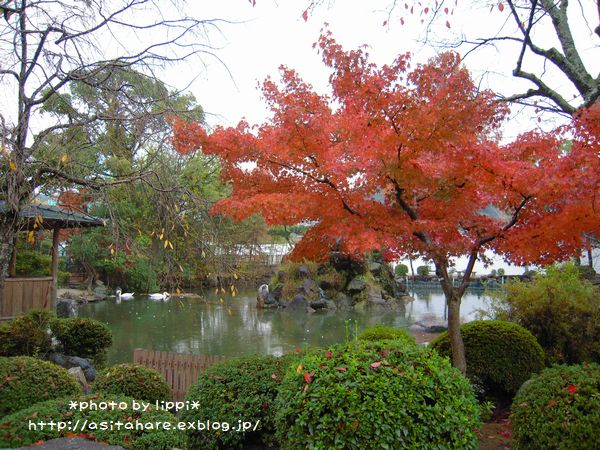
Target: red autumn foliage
x=406, y=162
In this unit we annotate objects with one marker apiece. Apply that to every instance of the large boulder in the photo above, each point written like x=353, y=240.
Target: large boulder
x=66, y=307
x=74, y=361
x=358, y=284
x=343, y=301
x=299, y=302
x=374, y=297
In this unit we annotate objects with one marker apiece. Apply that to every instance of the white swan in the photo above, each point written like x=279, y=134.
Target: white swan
x=124, y=295
x=163, y=296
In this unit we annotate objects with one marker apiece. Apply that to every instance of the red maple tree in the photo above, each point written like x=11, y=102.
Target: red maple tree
x=404, y=161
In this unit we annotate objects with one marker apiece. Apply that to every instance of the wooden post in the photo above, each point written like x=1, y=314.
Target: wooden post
x=12, y=265
x=54, y=266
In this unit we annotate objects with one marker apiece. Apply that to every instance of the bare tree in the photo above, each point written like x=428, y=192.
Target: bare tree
x=551, y=19
x=534, y=29
x=45, y=45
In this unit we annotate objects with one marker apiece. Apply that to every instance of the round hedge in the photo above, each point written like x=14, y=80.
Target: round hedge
x=26, y=335
x=15, y=430
x=361, y=394
x=86, y=338
x=501, y=355
x=25, y=380
x=244, y=389
x=133, y=380
x=383, y=332
x=559, y=409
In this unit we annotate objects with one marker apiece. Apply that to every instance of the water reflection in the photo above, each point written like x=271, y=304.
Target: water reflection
x=236, y=327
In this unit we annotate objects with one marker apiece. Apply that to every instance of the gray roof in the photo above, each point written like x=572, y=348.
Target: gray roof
x=53, y=215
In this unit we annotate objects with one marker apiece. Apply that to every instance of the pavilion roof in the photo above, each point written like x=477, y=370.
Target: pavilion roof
x=52, y=216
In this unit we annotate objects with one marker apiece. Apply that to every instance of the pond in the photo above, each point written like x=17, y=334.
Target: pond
x=236, y=327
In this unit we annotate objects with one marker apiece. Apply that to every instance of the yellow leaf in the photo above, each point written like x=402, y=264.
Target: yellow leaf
x=161, y=236
x=166, y=243
x=64, y=158
x=203, y=255
x=223, y=290
x=112, y=251
x=217, y=291
x=170, y=245
x=12, y=166
x=31, y=237
x=299, y=369
x=235, y=275
x=178, y=291
x=229, y=311
x=221, y=300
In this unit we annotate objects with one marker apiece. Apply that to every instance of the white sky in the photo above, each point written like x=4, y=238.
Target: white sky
x=273, y=33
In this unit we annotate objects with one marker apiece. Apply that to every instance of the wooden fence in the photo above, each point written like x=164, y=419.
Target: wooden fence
x=24, y=294
x=179, y=370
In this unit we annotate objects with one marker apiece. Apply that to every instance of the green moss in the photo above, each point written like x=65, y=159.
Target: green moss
x=26, y=380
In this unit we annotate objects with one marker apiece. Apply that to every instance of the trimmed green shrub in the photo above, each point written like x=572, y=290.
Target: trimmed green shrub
x=560, y=309
x=133, y=380
x=238, y=389
x=26, y=380
x=26, y=335
x=401, y=270
x=382, y=332
x=86, y=338
x=501, y=355
x=16, y=432
x=559, y=409
x=423, y=271
x=364, y=394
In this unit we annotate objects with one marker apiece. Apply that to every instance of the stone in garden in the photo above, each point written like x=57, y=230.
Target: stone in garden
x=343, y=302
x=374, y=296
x=299, y=302
x=80, y=376
x=374, y=267
x=318, y=304
x=303, y=272
x=74, y=361
x=356, y=285
x=66, y=308
x=309, y=288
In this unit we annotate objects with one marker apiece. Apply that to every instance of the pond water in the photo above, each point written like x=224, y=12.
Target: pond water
x=237, y=327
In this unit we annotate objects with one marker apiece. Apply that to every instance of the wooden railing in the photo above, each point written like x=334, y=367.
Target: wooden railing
x=24, y=294
x=179, y=370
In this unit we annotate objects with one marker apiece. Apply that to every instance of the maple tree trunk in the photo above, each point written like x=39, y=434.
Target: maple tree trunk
x=7, y=239
x=459, y=359
x=453, y=299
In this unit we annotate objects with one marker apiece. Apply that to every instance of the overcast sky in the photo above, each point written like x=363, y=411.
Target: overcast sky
x=273, y=33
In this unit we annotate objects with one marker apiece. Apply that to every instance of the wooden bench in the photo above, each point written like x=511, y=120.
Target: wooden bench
x=179, y=370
